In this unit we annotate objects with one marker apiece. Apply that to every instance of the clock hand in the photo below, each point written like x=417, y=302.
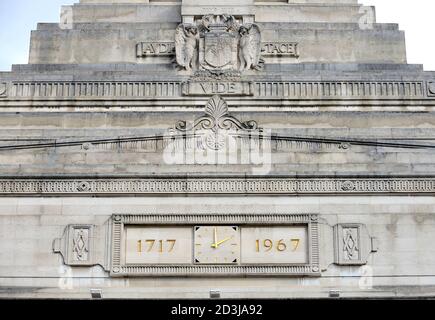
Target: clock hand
x=215, y=245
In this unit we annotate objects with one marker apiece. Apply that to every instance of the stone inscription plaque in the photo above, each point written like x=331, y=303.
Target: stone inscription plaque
x=218, y=88
x=158, y=245
x=276, y=245
x=204, y=245
x=287, y=49
x=150, y=49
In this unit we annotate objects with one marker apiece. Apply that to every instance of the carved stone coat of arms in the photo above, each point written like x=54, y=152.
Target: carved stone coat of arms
x=218, y=43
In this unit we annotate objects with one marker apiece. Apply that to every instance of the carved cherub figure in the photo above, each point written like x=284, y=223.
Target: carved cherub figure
x=186, y=43
x=250, y=47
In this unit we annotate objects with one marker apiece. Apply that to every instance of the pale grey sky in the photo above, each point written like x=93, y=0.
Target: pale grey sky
x=19, y=17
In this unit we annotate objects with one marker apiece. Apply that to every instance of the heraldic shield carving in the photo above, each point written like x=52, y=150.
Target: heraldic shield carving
x=218, y=43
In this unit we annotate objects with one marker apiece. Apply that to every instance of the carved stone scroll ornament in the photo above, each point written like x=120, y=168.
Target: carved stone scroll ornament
x=3, y=89
x=217, y=118
x=218, y=43
x=214, y=129
x=431, y=89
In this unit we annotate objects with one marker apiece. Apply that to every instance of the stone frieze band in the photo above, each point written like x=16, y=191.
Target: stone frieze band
x=217, y=185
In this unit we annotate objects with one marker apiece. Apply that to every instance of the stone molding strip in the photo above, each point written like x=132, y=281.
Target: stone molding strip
x=215, y=185
x=132, y=90
x=215, y=218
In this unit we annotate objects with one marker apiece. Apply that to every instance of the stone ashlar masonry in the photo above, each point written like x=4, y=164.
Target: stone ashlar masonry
x=84, y=128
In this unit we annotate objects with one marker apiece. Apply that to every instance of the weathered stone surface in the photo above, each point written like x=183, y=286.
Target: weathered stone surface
x=331, y=130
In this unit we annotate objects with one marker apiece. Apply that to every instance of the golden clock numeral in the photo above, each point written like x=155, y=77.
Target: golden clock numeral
x=280, y=245
x=173, y=244
x=151, y=246
x=295, y=243
x=268, y=244
x=161, y=247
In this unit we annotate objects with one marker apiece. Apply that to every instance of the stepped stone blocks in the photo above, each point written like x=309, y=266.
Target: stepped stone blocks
x=289, y=140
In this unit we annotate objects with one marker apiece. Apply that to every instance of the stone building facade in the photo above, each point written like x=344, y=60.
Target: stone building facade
x=241, y=149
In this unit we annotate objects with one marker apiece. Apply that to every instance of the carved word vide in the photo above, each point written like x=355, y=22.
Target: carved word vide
x=220, y=88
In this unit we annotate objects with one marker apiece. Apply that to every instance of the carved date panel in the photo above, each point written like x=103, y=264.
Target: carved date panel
x=158, y=245
x=215, y=245
x=276, y=245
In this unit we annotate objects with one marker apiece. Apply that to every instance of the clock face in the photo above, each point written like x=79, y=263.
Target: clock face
x=217, y=245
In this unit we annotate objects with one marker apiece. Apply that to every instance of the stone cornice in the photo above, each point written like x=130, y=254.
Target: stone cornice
x=270, y=89
x=259, y=95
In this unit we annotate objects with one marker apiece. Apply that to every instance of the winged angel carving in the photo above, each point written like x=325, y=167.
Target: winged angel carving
x=186, y=43
x=250, y=47
x=223, y=32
